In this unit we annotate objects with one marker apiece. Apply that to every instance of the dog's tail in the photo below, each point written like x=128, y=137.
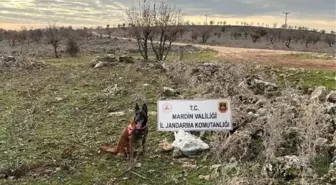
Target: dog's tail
x=109, y=149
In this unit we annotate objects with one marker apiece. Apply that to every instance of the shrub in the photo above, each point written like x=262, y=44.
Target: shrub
x=72, y=47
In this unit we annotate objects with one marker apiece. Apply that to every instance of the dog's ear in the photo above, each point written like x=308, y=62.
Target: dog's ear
x=137, y=108
x=145, y=108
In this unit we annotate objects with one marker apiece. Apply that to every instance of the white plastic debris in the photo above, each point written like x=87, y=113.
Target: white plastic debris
x=188, y=143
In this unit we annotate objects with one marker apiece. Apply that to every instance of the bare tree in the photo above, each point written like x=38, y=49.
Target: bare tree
x=194, y=35
x=158, y=23
x=2, y=34
x=275, y=25
x=53, y=35
x=108, y=31
x=36, y=35
x=205, y=32
x=168, y=25
x=312, y=38
x=258, y=34
x=72, y=47
x=141, y=19
x=236, y=35
x=12, y=37
x=330, y=39
x=23, y=35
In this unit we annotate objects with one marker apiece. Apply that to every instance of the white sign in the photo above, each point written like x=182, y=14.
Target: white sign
x=194, y=115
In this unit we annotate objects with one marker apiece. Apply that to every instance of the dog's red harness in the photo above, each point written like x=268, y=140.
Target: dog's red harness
x=130, y=129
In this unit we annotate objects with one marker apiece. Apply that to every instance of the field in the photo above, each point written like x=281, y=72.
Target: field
x=55, y=116
x=300, y=40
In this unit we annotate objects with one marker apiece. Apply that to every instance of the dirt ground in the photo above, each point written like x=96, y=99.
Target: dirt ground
x=280, y=58
x=274, y=57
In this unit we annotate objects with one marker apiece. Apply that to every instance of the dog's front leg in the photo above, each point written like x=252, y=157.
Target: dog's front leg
x=143, y=144
x=131, y=148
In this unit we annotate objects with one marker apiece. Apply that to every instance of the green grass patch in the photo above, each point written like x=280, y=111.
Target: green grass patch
x=201, y=56
x=309, y=78
x=72, y=61
x=313, y=56
x=321, y=163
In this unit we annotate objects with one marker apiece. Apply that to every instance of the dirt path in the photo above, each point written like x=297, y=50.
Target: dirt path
x=265, y=56
x=270, y=57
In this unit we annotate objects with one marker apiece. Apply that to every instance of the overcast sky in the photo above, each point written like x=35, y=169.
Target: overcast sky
x=36, y=13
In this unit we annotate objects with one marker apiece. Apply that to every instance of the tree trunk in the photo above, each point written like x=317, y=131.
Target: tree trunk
x=155, y=52
x=145, y=48
x=168, y=49
x=55, y=51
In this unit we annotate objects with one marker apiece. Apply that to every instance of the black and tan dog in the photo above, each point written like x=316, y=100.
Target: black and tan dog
x=134, y=135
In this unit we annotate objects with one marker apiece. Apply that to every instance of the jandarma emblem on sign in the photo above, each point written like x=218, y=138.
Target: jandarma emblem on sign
x=222, y=106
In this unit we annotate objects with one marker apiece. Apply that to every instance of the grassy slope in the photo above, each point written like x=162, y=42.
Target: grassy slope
x=37, y=130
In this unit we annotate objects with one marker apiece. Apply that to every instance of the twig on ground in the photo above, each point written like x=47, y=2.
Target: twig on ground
x=139, y=175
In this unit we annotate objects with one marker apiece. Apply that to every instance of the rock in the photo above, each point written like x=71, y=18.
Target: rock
x=126, y=59
x=290, y=142
x=169, y=92
x=240, y=181
x=177, y=153
x=100, y=61
x=9, y=59
x=100, y=64
x=295, y=102
x=262, y=111
x=204, y=177
x=59, y=99
x=138, y=165
x=261, y=103
x=188, y=165
x=120, y=113
x=321, y=141
x=8, y=62
x=237, y=145
x=259, y=86
x=330, y=126
x=330, y=177
x=166, y=146
x=284, y=167
x=331, y=109
x=252, y=181
x=108, y=58
x=112, y=90
x=319, y=94
x=215, y=168
x=145, y=85
x=331, y=97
